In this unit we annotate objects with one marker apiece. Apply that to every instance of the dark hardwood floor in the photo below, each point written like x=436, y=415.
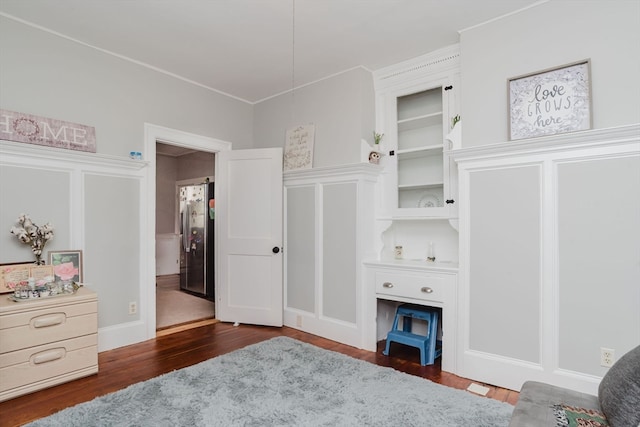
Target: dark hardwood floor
x=127, y=365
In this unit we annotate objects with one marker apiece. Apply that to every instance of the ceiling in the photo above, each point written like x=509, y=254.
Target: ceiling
x=255, y=49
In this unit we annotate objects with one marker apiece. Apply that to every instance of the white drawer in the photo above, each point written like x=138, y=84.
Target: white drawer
x=23, y=367
x=36, y=327
x=425, y=287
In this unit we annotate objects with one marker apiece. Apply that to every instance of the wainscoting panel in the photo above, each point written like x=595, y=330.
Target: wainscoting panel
x=94, y=202
x=111, y=235
x=45, y=195
x=339, y=244
x=549, y=249
x=504, y=263
x=300, y=260
x=329, y=220
x=598, y=251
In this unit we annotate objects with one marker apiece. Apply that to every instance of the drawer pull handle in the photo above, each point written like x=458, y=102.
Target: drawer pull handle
x=48, y=356
x=426, y=290
x=49, y=320
x=387, y=285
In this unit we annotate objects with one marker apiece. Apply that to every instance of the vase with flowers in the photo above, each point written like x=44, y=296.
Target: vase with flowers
x=31, y=234
x=376, y=153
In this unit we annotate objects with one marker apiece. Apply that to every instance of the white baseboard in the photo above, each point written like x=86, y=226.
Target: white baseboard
x=342, y=332
x=120, y=335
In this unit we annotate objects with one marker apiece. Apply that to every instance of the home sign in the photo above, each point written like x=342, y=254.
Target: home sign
x=21, y=127
x=550, y=102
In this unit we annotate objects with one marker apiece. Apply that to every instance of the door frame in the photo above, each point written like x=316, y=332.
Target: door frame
x=152, y=134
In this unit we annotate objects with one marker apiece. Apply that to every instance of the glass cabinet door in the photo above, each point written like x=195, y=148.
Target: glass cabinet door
x=420, y=137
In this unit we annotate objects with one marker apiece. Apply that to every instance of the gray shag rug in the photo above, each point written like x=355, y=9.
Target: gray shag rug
x=285, y=382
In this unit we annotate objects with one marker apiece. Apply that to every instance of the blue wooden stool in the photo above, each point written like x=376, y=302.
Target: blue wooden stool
x=426, y=343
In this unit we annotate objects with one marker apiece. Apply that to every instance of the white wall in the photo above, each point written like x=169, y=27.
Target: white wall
x=98, y=210
x=166, y=177
x=341, y=107
x=46, y=75
x=50, y=76
x=549, y=35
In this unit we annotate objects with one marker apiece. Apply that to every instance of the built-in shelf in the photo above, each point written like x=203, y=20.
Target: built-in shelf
x=425, y=120
x=414, y=263
x=427, y=150
x=422, y=186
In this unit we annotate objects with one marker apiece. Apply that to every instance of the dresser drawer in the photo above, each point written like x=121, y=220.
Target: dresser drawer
x=41, y=363
x=421, y=287
x=35, y=327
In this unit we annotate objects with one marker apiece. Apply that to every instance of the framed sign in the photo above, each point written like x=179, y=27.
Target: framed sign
x=298, y=149
x=551, y=101
x=22, y=127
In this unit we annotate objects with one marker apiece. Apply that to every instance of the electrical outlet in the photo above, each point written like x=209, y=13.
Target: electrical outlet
x=607, y=357
x=133, y=307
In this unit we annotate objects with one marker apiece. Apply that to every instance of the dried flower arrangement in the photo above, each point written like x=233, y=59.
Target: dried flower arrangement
x=30, y=233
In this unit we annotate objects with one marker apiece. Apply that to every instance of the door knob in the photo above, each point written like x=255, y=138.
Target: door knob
x=275, y=250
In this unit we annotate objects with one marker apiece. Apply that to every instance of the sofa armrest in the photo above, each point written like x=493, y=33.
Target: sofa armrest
x=535, y=404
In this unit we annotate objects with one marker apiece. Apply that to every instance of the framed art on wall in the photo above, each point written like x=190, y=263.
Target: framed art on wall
x=298, y=149
x=549, y=102
x=67, y=265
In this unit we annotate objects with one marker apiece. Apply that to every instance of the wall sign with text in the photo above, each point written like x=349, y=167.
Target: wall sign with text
x=550, y=102
x=298, y=149
x=21, y=127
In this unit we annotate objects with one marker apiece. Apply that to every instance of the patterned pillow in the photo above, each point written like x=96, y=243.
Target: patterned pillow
x=571, y=416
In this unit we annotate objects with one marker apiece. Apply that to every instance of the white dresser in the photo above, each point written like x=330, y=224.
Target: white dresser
x=44, y=342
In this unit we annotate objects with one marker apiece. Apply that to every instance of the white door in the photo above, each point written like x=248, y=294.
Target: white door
x=249, y=236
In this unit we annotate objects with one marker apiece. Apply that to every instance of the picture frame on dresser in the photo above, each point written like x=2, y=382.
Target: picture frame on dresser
x=13, y=274
x=552, y=101
x=18, y=273
x=67, y=265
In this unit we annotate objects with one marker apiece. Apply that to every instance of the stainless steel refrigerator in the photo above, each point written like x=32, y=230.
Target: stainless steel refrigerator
x=197, y=212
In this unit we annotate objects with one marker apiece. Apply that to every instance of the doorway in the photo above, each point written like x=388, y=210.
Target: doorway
x=152, y=135
x=181, y=259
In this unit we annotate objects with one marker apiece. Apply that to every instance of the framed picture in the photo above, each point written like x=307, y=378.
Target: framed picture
x=14, y=274
x=40, y=272
x=550, y=102
x=67, y=265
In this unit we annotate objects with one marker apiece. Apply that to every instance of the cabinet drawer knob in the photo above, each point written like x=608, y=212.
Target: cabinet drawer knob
x=48, y=356
x=426, y=290
x=387, y=285
x=49, y=320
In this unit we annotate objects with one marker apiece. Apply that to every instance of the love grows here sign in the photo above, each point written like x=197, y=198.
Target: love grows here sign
x=550, y=102
x=21, y=127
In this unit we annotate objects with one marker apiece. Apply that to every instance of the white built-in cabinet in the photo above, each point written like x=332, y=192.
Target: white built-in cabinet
x=391, y=284
x=549, y=257
x=329, y=218
x=416, y=102
x=415, y=110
